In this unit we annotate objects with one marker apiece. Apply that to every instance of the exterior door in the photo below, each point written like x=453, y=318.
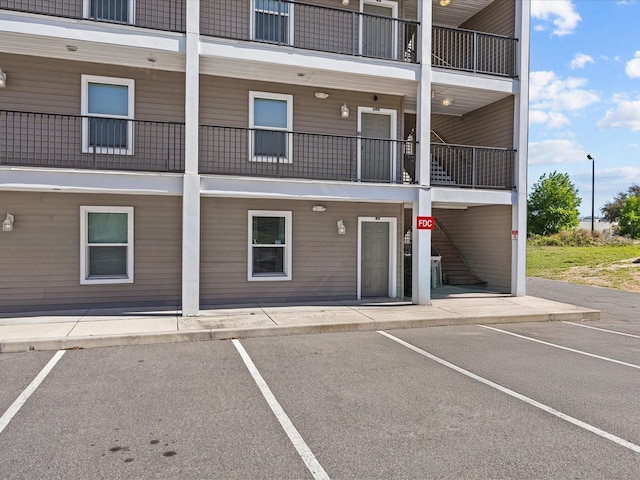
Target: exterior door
x=376, y=147
x=378, y=37
x=375, y=259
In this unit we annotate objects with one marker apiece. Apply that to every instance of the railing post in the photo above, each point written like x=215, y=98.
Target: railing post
x=475, y=52
x=354, y=37
x=474, y=152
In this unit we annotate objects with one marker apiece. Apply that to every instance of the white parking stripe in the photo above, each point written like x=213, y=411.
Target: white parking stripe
x=530, y=401
x=303, y=450
x=24, y=396
x=599, y=357
x=601, y=329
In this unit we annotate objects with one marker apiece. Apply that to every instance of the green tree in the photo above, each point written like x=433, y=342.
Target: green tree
x=553, y=205
x=611, y=210
x=630, y=218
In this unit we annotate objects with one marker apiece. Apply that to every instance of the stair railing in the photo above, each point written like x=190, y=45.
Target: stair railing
x=453, y=245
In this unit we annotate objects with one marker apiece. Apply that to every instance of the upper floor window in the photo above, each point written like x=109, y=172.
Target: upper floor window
x=273, y=21
x=271, y=117
x=107, y=103
x=118, y=11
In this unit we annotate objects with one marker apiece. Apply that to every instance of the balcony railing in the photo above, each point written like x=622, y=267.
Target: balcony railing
x=477, y=167
x=312, y=27
x=272, y=153
x=168, y=15
x=73, y=141
x=473, y=51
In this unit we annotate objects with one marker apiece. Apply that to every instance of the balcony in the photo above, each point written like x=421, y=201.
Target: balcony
x=281, y=154
x=167, y=15
x=73, y=141
x=313, y=27
x=475, y=52
x=475, y=167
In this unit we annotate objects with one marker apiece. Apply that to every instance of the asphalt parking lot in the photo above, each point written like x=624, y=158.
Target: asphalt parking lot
x=559, y=400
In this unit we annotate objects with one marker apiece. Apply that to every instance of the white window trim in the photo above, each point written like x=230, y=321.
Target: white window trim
x=393, y=136
x=84, y=105
x=131, y=6
x=287, y=246
x=393, y=253
x=271, y=96
x=394, y=13
x=290, y=23
x=85, y=279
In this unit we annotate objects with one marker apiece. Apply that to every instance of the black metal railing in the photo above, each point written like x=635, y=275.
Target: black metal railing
x=472, y=51
x=74, y=141
x=273, y=153
x=312, y=27
x=168, y=15
x=468, y=166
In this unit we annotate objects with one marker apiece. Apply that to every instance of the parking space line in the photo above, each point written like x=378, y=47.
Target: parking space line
x=24, y=396
x=601, y=329
x=555, y=345
x=579, y=423
x=298, y=442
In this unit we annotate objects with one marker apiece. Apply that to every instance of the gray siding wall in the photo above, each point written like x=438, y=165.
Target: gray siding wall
x=159, y=95
x=483, y=236
x=490, y=126
x=324, y=263
x=41, y=257
x=498, y=18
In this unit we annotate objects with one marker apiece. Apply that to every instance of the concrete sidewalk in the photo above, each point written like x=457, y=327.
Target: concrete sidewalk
x=89, y=328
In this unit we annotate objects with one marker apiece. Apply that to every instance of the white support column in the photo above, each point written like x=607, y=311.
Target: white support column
x=521, y=136
x=191, y=181
x=421, y=244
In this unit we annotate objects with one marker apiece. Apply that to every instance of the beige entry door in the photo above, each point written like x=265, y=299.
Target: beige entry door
x=375, y=259
x=378, y=29
x=376, y=149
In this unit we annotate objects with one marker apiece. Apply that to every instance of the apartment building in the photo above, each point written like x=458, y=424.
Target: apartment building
x=197, y=152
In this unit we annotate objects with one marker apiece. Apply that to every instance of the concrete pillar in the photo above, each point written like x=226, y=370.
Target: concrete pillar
x=521, y=136
x=191, y=180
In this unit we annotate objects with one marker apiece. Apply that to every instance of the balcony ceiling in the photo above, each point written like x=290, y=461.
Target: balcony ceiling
x=465, y=100
x=457, y=12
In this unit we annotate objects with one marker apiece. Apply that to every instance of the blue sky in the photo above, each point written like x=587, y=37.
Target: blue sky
x=585, y=94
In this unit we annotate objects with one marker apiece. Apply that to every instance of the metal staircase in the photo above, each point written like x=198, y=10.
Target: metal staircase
x=455, y=270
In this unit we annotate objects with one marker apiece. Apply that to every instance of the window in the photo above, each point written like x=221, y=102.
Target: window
x=271, y=118
x=273, y=21
x=117, y=11
x=269, y=255
x=106, y=104
x=106, y=245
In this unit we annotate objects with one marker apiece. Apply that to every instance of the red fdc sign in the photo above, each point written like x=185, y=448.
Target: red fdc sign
x=425, y=223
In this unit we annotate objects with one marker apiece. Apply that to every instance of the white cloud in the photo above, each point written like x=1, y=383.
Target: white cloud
x=625, y=115
x=561, y=13
x=551, y=96
x=632, y=69
x=548, y=152
x=580, y=60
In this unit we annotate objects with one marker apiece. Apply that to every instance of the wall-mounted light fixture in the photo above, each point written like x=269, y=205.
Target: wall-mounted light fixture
x=321, y=95
x=341, y=228
x=7, y=225
x=344, y=111
x=318, y=208
x=3, y=79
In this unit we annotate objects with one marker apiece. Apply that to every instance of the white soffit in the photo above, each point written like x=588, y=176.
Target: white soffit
x=457, y=12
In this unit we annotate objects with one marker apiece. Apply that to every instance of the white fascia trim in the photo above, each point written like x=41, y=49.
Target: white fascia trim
x=90, y=31
x=237, y=187
x=393, y=253
x=472, y=197
x=300, y=59
x=24, y=179
x=480, y=82
x=84, y=245
x=287, y=215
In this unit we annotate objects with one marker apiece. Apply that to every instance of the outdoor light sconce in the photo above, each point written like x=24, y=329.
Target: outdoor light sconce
x=344, y=111
x=3, y=79
x=7, y=225
x=341, y=228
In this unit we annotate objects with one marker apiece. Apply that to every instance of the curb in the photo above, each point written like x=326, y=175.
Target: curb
x=98, y=341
